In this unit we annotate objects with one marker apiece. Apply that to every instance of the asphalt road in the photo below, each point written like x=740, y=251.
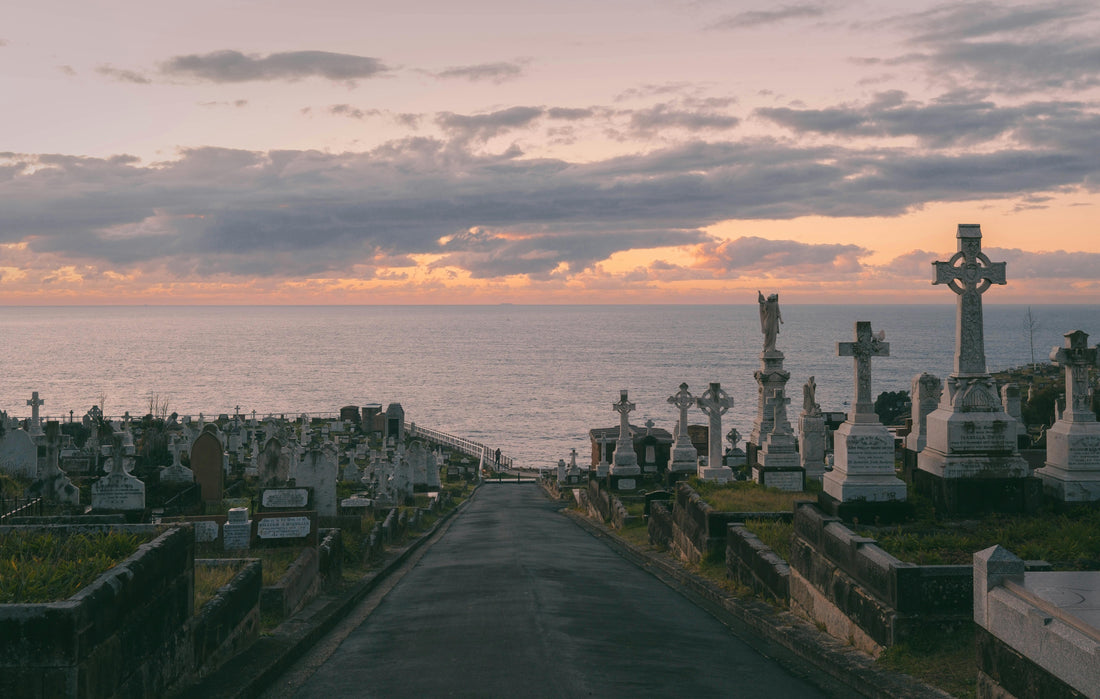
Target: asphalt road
x=515, y=600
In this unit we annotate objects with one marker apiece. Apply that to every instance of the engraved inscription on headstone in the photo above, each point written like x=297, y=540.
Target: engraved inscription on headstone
x=205, y=531
x=285, y=498
x=283, y=528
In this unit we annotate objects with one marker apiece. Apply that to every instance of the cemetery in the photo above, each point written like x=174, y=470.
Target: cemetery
x=955, y=528
x=884, y=539
x=141, y=555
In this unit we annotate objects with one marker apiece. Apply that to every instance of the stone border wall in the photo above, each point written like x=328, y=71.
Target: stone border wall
x=230, y=622
x=599, y=502
x=299, y=584
x=860, y=591
x=753, y=563
x=121, y=635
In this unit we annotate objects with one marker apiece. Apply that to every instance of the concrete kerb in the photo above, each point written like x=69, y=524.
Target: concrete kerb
x=773, y=633
x=249, y=674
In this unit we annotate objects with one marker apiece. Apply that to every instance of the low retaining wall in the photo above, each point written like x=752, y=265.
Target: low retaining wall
x=850, y=584
x=300, y=583
x=122, y=635
x=599, y=502
x=752, y=563
x=229, y=622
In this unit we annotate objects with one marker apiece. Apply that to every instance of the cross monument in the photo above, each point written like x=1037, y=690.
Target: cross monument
x=865, y=346
x=35, y=425
x=969, y=273
x=626, y=459
x=714, y=403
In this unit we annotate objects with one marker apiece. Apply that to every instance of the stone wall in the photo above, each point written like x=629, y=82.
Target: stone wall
x=599, y=502
x=860, y=592
x=660, y=524
x=699, y=530
x=299, y=584
x=752, y=563
x=121, y=635
x=229, y=622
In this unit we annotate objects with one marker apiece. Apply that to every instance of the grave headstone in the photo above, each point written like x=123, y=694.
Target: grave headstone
x=176, y=472
x=118, y=490
x=18, y=454
x=1072, y=469
x=811, y=433
x=777, y=462
x=52, y=483
x=237, y=530
x=863, y=449
x=925, y=397
x=34, y=425
x=206, y=464
x=626, y=459
x=274, y=468
x=318, y=471
x=684, y=455
x=714, y=403
x=971, y=461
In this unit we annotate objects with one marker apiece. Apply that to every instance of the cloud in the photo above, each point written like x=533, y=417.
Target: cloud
x=230, y=66
x=950, y=120
x=757, y=18
x=482, y=127
x=1013, y=49
x=352, y=112
x=123, y=76
x=753, y=256
x=666, y=116
x=498, y=72
x=1057, y=264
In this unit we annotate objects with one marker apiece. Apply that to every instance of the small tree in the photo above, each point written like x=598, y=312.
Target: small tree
x=892, y=407
x=1030, y=326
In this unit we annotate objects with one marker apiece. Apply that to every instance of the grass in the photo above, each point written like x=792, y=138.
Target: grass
x=13, y=486
x=944, y=659
x=1069, y=541
x=276, y=561
x=747, y=496
x=775, y=534
x=209, y=579
x=46, y=567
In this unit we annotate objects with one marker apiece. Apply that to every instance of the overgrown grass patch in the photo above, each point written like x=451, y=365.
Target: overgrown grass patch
x=775, y=534
x=944, y=658
x=276, y=561
x=52, y=566
x=1069, y=541
x=746, y=496
x=209, y=579
x=636, y=533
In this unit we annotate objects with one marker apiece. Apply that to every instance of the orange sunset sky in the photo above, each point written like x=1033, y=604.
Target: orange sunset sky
x=691, y=151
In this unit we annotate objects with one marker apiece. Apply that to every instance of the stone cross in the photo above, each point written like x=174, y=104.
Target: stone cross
x=714, y=403
x=682, y=400
x=175, y=448
x=1076, y=357
x=969, y=273
x=866, y=345
x=35, y=426
x=624, y=407
x=733, y=437
x=779, y=405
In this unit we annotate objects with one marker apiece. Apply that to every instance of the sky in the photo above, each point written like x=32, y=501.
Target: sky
x=430, y=152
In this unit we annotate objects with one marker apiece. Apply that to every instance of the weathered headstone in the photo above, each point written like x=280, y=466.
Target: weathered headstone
x=206, y=464
x=1012, y=403
x=714, y=403
x=971, y=461
x=925, y=397
x=811, y=433
x=34, y=425
x=626, y=459
x=318, y=471
x=52, y=483
x=176, y=472
x=684, y=455
x=18, y=454
x=863, y=450
x=274, y=468
x=1072, y=470
x=777, y=463
x=237, y=531
x=118, y=490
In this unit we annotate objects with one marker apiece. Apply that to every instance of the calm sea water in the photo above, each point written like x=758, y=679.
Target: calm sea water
x=530, y=379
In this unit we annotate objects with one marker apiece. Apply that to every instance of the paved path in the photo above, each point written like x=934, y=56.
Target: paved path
x=515, y=600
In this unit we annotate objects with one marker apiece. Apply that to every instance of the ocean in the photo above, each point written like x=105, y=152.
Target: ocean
x=531, y=380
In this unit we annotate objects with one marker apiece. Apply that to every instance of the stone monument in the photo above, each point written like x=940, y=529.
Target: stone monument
x=177, y=472
x=206, y=464
x=624, y=467
x=714, y=403
x=52, y=483
x=318, y=471
x=777, y=462
x=811, y=433
x=118, y=490
x=1072, y=470
x=34, y=425
x=970, y=462
x=925, y=397
x=863, y=450
x=770, y=377
x=684, y=455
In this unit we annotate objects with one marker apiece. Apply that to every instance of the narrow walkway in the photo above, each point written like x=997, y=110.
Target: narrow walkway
x=516, y=600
